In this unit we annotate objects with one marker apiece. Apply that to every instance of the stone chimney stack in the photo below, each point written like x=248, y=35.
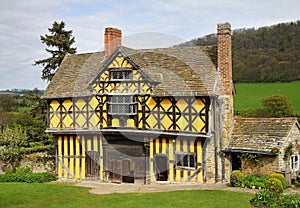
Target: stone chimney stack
x=112, y=39
x=225, y=58
x=225, y=91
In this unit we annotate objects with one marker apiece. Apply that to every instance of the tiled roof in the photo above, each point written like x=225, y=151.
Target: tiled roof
x=178, y=70
x=259, y=135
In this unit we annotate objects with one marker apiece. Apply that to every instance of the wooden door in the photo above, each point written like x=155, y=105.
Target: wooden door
x=116, y=171
x=92, y=165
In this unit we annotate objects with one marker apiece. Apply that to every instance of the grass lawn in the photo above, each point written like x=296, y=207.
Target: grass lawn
x=249, y=95
x=61, y=195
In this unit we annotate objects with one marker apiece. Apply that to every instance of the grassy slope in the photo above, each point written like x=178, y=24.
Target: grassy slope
x=60, y=195
x=249, y=94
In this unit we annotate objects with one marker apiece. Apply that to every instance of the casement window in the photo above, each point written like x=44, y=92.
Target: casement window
x=122, y=105
x=120, y=75
x=295, y=162
x=185, y=160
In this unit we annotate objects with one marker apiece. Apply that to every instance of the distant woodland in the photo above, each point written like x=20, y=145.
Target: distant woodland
x=266, y=54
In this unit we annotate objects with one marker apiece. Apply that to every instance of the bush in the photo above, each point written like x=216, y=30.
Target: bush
x=266, y=198
x=257, y=181
x=275, y=185
x=26, y=175
x=263, y=198
x=279, y=177
x=236, y=178
x=290, y=201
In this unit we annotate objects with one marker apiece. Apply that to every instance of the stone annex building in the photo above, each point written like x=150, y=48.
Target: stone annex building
x=166, y=114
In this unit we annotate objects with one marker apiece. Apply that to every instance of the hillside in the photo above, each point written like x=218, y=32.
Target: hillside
x=266, y=54
x=249, y=95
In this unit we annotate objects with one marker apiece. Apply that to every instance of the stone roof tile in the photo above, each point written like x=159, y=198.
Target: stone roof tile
x=259, y=134
x=178, y=70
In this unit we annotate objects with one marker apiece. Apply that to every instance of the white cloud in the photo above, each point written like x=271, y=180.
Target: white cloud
x=22, y=23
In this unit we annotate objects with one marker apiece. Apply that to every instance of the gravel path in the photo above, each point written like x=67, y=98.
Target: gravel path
x=110, y=188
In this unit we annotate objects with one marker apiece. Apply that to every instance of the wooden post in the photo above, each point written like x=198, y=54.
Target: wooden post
x=147, y=161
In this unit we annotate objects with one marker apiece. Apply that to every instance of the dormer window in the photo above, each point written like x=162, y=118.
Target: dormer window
x=120, y=75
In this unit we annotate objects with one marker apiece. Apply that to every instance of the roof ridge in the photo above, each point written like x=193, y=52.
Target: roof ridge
x=267, y=119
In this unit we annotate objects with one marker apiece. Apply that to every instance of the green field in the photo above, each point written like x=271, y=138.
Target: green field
x=16, y=195
x=249, y=95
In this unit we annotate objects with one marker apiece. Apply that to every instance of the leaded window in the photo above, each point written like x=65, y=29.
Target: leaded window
x=120, y=75
x=185, y=160
x=122, y=105
x=295, y=162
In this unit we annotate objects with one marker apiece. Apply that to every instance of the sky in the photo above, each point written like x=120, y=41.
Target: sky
x=171, y=21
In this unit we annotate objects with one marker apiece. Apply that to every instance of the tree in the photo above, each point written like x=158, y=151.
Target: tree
x=277, y=106
x=12, y=142
x=7, y=103
x=59, y=43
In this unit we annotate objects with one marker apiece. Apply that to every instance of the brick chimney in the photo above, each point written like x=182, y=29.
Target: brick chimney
x=112, y=39
x=225, y=58
x=225, y=91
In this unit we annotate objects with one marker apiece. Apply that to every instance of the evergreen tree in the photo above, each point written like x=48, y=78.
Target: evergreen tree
x=59, y=43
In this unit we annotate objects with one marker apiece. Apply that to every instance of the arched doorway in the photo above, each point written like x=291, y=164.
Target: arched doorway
x=161, y=167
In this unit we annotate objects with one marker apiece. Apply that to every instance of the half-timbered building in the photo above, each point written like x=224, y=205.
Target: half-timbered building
x=129, y=115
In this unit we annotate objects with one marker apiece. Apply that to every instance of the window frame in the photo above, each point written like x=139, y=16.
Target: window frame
x=183, y=160
x=121, y=71
x=119, y=102
x=294, y=164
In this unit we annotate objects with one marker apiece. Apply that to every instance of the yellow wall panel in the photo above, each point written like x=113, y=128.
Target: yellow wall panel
x=164, y=145
x=182, y=123
x=130, y=122
x=89, y=144
x=166, y=104
x=192, y=147
x=72, y=154
x=94, y=120
x=67, y=104
x=151, y=161
x=104, y=77
x=199, y=159
x=101, y=160
x=59, y=153
x=83, y=158
x=77, y=152
x=171, y=157
x=152, y=121
x=185, y=146
x=81, y=104
x=198, y=104
x=94, y=103
x=65, y=174
x=54, y=122
x=157, y=145
x=181, y=104
x=115, y=122
x=166, y=122
x=185, y=175
x=95, y=138
x=54, y=105
x=151, y=103
x=81, y=120
x=178, y=176
x=68, y=121
x=171, y=173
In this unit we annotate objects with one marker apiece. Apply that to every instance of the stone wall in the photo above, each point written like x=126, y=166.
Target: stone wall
x=268, y=165
x=37, y=162
x=294, y=139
